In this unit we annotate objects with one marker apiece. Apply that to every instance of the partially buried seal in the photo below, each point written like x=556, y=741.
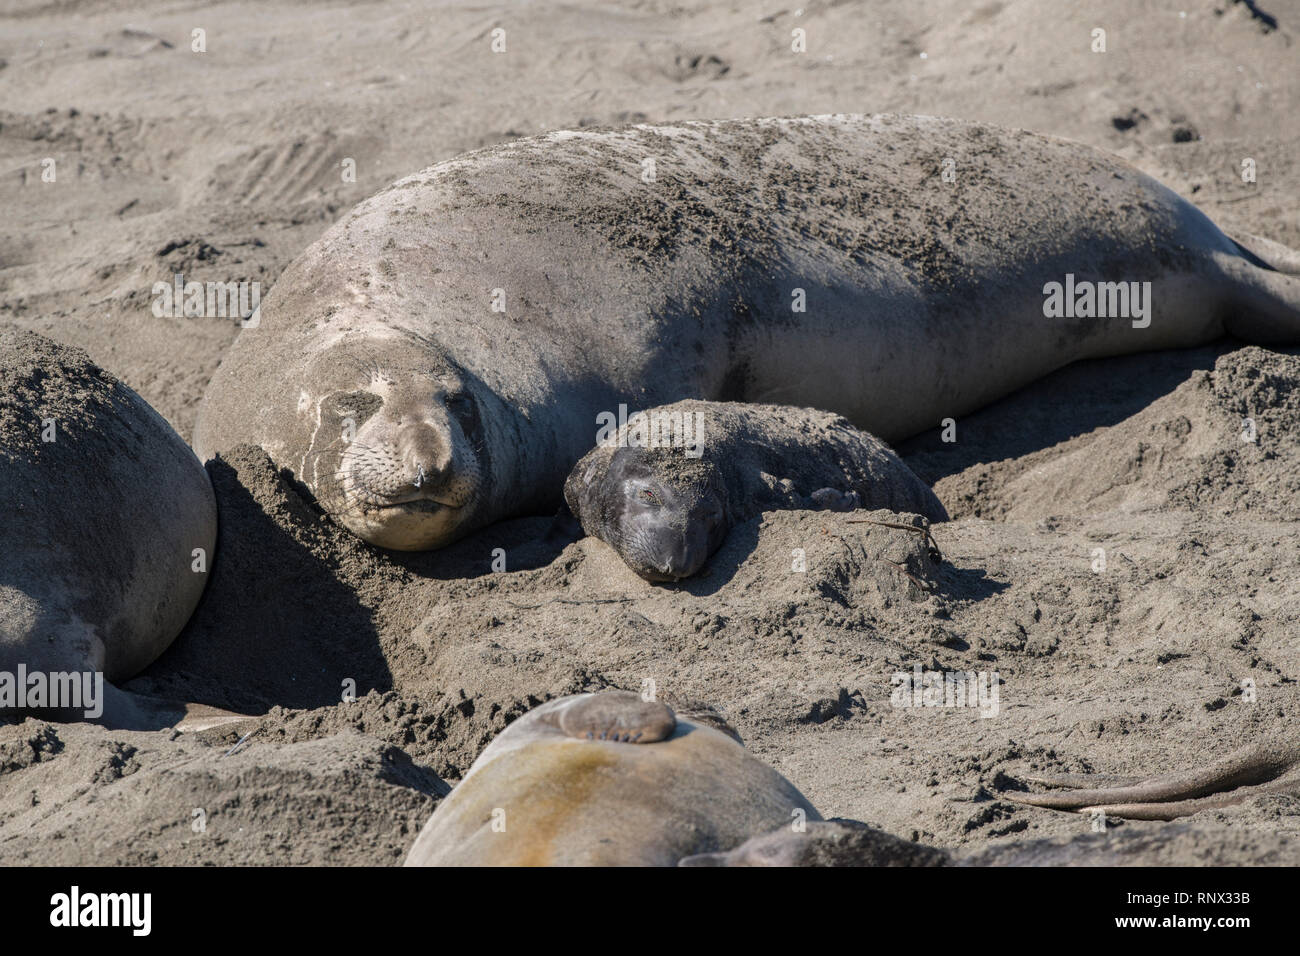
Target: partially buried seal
x=109, y=528
x=434, y=362
x=667, y=485
x=607, y=779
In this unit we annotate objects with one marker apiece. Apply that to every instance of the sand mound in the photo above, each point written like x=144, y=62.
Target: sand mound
x=86, y=796
x=1220, y=443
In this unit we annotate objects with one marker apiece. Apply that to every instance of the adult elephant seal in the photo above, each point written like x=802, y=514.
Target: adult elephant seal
x=437, y=360
x=607, y=780
x=105, y=509
x=666, y=486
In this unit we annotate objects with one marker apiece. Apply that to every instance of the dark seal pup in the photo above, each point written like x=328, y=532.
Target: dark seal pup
x=714, y=465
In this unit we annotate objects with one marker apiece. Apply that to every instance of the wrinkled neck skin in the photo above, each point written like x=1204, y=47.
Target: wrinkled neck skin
x=532, y=446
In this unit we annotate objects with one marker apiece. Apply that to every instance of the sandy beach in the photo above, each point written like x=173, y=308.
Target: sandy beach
x=226, y=164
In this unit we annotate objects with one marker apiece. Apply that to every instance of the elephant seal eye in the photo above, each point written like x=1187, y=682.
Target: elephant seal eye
x=359, y=405
x=461, y=406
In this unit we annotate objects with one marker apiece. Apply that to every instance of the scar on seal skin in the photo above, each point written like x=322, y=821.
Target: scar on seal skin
x=1249, y=772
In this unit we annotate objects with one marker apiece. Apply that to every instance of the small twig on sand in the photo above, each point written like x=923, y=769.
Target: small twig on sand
x=532, y=607
x=241, y=742
x=925, y=587
x=935, y=554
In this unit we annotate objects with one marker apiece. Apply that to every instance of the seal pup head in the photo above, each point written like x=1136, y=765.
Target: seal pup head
x=662, y=511
x=397, y=451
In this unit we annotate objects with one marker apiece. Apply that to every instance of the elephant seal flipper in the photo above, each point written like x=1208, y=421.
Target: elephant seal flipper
x=666, y=509
x=1251, y=771
x=835, y=499
x=619, y=716
x=126, y=710
x=1270, y=254
x=1267, y=304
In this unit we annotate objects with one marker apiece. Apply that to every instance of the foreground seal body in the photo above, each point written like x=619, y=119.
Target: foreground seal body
x=665, y=488
x=436, y=360
x=606, y=779
x=105, y=507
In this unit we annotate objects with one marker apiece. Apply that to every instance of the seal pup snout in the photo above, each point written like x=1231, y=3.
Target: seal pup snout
x=670, y=533
x=666, y=524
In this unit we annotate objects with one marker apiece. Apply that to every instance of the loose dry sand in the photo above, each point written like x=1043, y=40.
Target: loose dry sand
x=226, y=164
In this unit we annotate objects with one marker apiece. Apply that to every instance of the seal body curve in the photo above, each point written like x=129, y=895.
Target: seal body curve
x=437, y=360
x=111, y=528
x=549, y=791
